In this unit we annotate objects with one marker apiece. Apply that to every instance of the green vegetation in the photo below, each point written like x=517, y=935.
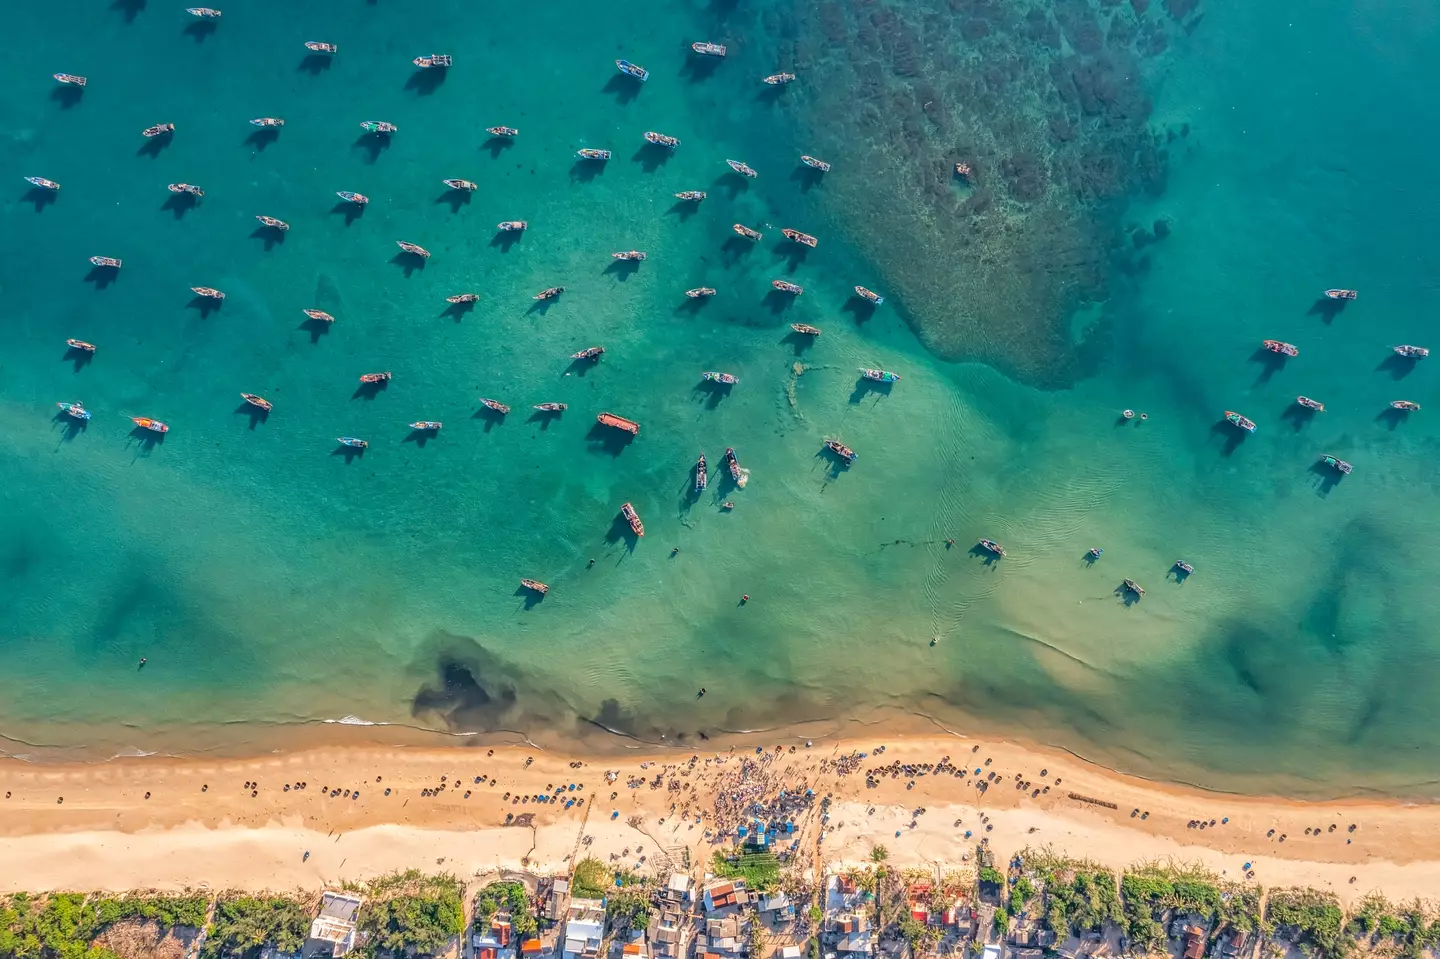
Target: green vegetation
x=1149, y=891
x=411, y=913
x=1080, y=896
x=65, y=926
x=1021, y=891
x=817, y=915
x=760, y=870
x=592, y=879
x=629, y=908
x=1239, y=909
x=243, y=924
x=1311, y=919
x=1407, y=930
x=879, y=854
x=508, y=897
x=990, y=876
x=919, y=936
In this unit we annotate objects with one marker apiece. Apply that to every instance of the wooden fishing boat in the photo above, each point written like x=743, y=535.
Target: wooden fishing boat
x=319, y=46
x=629, y=255
x=1244, y=422
x=589, y=153
x=1341, y=294
x=632, y=70
x=661, y=140
x=708, y=49
x=457, y=184
x=619, y=422
x=732, y=462
x=71, y=79
x=1284, y=349
x=842, y=451
x=427, y=426
x=512, y=226
x=1412, y=352
x=378, y=126
x=870, y=295
x=358, y=444
x=535, y=586
x=990, y=546
x=417, y=250
x=779, y=79
x=693, y=196
x=744, y=169
x=549, y=294
x=725, y=379
x=803, y=239
x=552, y=407
x=1310, y=404
x=377, y=377
x=589, y=353
x=349, y=196
x=700, y=291
x=106, y=261
x=189, y=188
x=80, y=345
x=502, y=131
x=633, y=518
x=463, y=298
x=495, y=405
x=1336, y=462
x=158, y=130
x=805, y=328
x=746, y=232
x=1134, y=587
x=702, y=479
x=1405, y=406
x=75, y=410
x=205, y=13
x=785, y=286
x=257, y=401
x=209, y=292
x=320, y=315
x=1182, y=567
x=879, y=376
x=267, y=122
x=433, y=60
x=273, y=223
x=145, y=422
x=815, y=164
x=42, y=183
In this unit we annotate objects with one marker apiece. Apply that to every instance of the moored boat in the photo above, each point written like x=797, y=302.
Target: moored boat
x=1183, y=567
x=495, y=405
x=70, y=78
x=589, y=353
x=700, y=291
x=989, y=545
x=726, y=379
x=962, y=170
x=427, y=426
x=502, y=131
x=107, y=261
x=273, y=223
x=76, y=410
x=746, y=232
x=1134, y=587
x=158, y=129
x=804, y=239
x=463, y=298
x=732, y=462
x=744, y=169
x=350, y=196
x=550, y=293
x=433, y=60
x=870, y=295
x=779, y=79
x=879, y=376
x=805, y=328
x=661, y=140
x=320, y=315
x=189, y=188
x=267, y=122
x=320, y=46
x=632, y=70
x=413, y=248
x=693, y=196
x=455, y=183
x=629, y=255
x=1244, y=422
x=1310, y=404
x=80, y=345
x=1094, y=552
x=1338, y=294
x=358, y=444
x=209, y=292
x=589, y=153
x=619, y=422
x=1414, y=352
x=815, y=164
x=707, y=49
x=378, y=126
x=702, y=478
x=42, y=183
x=842, y=451
x=633, y=518
x=376, y=377
x=512, y=226
x=551, y=407
x=728, y=505
x=535, y=586
x=785, y=286
x=205, y=13
x=1284, y=349
x=1407, y=406
x=1336, y=462
x=145, y=422
x=257, y=401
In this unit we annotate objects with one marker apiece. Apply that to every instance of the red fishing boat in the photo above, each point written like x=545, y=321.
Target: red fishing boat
x=619, y=422
x=637, y=527
x=376, y=377
x=145, y=422
x=725, y=379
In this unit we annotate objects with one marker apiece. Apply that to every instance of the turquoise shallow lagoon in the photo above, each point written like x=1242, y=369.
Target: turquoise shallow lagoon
x=273, y=584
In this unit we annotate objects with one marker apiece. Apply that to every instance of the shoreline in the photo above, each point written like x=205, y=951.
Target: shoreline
x=175, y=823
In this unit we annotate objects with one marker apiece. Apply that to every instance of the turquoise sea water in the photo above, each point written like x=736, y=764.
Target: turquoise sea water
x=272, y=582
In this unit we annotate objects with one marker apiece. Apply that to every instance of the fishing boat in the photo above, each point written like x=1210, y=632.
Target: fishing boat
x=1310, y=404
x=779, y=79
x=417, y=250
x=693, y=196
x=320, y=315
x=702, y=478
x=632, y=70
x=842, y=451
x=801, y=238
x=989, y=545
x=1244, y=422
x=636, y=527
x=158, y=129
x=815, y=164
x=732, y=462
x=1183, y=567
x=258, y=401
x=189, y=188
x=80, y=345
x=1341, y=294
x=744, y=169
x=1284, y=349
x=1415, y=352
x=495, y=405
x=205, y=13
x=728, y=505
x=629, y=255
x=870, y=295
x=1405, y=405
x=319, y=46
x=71, y=79
x=661, y=140
x=1336, y=462
x=502, y=131
x=535, y=585
x=350, y=196
x=1134, y=587
x=145, y=422
x=1094, y=552
x=805, y=328
x=746, y=232
x=427, y=426
x=209, y=292
x=351, y=441
x=267, y=122
x=588, y=153
x=75, y=410
x=376, y=377
x=457, y=184
x=463, y=298
x=589, y=353
x=727, y=379
x=512, y=226
x=273, y=223
x=42, y=183
x=552, y=407
x=549, y=294
x=785, y=286
x=107, y=261
x=700, y=291
x=433, y=60
x=707, y=49
x=619, y=422
x=378, y=126
x=962, y=170
x=879, y=376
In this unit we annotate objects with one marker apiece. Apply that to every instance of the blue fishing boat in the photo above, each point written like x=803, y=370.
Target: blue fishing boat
x=632, y=70
x=880, y=376
x=74, y=409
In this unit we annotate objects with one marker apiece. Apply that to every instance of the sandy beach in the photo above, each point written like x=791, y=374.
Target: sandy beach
x=248, y=823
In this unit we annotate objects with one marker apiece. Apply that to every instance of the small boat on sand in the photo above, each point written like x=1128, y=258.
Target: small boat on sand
x=350, y=196
x=70, y=78
x=629, y=255
x=457, y=184
x=267, y=122
x=1183, y=567
x=433, y=60
x=80, y=345
x=990, y=546
x=744, y=169
x=1341, y=294
x=879, y=376
x=693, y=196
x=1413, y=352
x=189, y=188
x=779, y=79
x=708, y=49
x=320, y=46
x=1310, y=404
x=815, y=164
x=413, y=248
x=805, y=328
x=1284, y=349
x=512, y=226
x=75, y=410
x=661, y=140
x=257, y=401
x=702, y=479
x=1405, y=405
x=378, y=126
x=273, y=223
x=700, y=291
x=106, y=261
x=619, y=422
x=146, y=423
x=870, y=295
x=785, y=286
x=427, y=426
x=502, y=131
x=632, y=70
x=535, y=585
x=549, y=294
x=842, y=451
x=495, y=405
x=320, y=315
x=589, y=153
x=1336, y=462
x=1244, y=422
x=205, y=13
x=589, y=353
x=804, y=239
x=633, y=518
x=727, y=379
x=746, y=232
x=463, y=298
x=1133, y=587
x=739, y=474
x=358, y=444
x=209, y=292
x=551, y=407
x=158, y=129
x=42, y=183
x=377, y=377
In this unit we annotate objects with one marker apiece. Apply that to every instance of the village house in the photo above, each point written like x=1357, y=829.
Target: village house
x=335, y=925
x=777, y=908
x=496, y=942
x=855, y=937
x=728, y=895
x=554, y=897
x=724, y=937
x=1194, y=942
x=584, y=929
